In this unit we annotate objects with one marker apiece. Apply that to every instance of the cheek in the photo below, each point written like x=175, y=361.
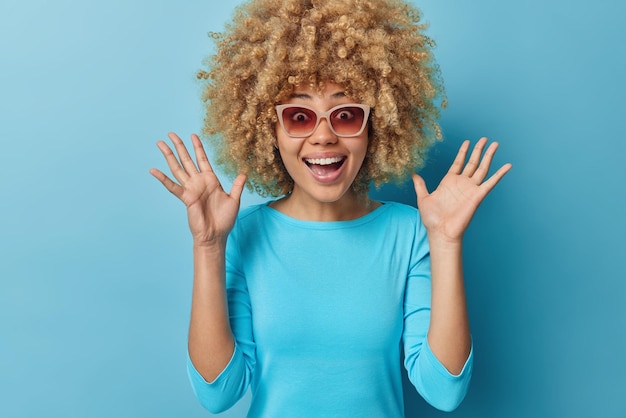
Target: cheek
x=281, y=142
x=361, y=148
x=288, y=153
x=287, y=146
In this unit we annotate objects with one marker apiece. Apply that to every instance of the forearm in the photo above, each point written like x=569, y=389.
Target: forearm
x=449, y=331
x=211, y=341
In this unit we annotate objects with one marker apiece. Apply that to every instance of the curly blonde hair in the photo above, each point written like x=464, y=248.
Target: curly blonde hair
x=375, y=49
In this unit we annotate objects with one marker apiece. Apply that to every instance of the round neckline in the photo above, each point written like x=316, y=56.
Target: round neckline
x=326, y=224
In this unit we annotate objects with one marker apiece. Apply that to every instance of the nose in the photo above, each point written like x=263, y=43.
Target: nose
x=323, y=134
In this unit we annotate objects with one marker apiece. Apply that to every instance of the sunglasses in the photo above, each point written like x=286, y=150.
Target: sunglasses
x=300, y=121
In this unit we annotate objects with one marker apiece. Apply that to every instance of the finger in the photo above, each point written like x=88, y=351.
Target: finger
x=485, y=163
x=474, y=159
x=495, y=178
x=420, y=186
x=201, y=158
x=457, y=164
x=172, y=162
x=173, y=187
x=183, y=154
x=238, y=185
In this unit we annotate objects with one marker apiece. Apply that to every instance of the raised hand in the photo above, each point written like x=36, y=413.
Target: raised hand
x=211, y=211
x=447, y=211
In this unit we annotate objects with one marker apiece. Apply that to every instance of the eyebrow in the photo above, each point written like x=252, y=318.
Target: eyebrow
x=338, y=95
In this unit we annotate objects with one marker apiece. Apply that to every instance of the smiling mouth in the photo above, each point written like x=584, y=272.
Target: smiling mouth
x=324, y=166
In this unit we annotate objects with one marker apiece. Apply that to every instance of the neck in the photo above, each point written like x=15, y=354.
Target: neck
x=348, y=207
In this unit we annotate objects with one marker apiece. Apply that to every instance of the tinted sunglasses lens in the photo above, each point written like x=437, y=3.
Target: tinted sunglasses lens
x=298, y=120
x=347, y=120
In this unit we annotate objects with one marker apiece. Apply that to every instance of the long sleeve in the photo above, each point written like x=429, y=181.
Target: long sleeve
x=317, y=310
x=233, y=381
x=432, y=380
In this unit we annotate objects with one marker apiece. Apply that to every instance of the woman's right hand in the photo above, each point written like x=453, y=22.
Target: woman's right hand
x=211, y=211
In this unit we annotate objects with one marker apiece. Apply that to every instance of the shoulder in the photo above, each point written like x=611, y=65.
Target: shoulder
x=402, y=220
x=250, y=218
x=251, y=211
x=399, y=211
x=400, y=208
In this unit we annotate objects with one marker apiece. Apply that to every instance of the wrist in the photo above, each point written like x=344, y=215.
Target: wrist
x=210, y=247
x=443, y=242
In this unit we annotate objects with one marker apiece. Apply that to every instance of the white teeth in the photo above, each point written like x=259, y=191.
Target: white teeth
x=323, y=161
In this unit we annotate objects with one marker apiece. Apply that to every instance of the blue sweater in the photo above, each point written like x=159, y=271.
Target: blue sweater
x=320, y=312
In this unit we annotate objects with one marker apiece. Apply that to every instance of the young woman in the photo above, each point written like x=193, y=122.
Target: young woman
x=308, y=299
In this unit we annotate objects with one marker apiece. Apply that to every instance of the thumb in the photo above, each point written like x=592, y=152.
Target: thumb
x=238, y=185
x=420, y=186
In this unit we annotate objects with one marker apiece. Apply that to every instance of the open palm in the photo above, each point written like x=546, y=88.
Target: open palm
x=448, y=210
x=211, y=211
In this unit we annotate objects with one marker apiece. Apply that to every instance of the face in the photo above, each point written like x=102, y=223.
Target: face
x=323, y=164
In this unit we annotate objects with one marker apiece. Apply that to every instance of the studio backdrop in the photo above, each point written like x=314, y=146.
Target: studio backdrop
x=95, y=257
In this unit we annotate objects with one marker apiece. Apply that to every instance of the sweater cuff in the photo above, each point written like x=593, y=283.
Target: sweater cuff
x=197, y=378
x=440, y=368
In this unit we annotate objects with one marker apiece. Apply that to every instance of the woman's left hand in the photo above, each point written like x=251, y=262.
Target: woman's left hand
x=447, y=211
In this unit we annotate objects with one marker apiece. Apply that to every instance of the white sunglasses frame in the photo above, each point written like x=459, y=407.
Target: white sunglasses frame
x=319, y=115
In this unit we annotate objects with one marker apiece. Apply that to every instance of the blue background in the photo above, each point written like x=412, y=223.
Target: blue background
x=95, y=260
